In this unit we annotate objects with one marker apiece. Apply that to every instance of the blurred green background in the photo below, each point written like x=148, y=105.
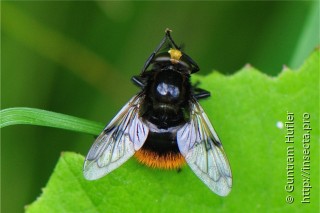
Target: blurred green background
x=77, y=58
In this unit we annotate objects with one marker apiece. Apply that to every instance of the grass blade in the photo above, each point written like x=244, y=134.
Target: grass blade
x=31, y=116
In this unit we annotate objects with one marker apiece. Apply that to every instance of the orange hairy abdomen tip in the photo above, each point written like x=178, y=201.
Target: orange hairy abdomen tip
x=166, y=161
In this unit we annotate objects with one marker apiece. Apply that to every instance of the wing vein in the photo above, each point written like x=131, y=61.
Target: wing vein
x=203, y=151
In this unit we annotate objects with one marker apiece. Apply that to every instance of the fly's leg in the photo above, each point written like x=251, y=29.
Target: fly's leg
x=138, y=81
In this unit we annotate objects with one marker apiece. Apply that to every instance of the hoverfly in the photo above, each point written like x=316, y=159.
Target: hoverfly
x=164, y=125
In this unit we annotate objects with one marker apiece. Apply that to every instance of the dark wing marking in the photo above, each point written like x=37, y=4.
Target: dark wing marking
x=124, y=135
x=203, y=151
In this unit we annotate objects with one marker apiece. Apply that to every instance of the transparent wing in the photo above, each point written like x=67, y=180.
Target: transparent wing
x=125, y=134
x=203, y=151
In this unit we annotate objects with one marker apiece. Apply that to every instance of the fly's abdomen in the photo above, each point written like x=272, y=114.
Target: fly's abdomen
x=161, y=151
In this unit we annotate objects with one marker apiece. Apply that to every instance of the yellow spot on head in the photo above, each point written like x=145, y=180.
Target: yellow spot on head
x=175, y=55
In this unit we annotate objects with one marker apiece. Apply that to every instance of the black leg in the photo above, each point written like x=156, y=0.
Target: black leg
x=137, y=80
x=153, y=54
x=163, y=41
x=201, y=93
x=168, y=35
x=195, y=67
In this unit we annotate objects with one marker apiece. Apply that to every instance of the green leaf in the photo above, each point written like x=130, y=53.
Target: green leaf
x=247, y=110
x=23, y=115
